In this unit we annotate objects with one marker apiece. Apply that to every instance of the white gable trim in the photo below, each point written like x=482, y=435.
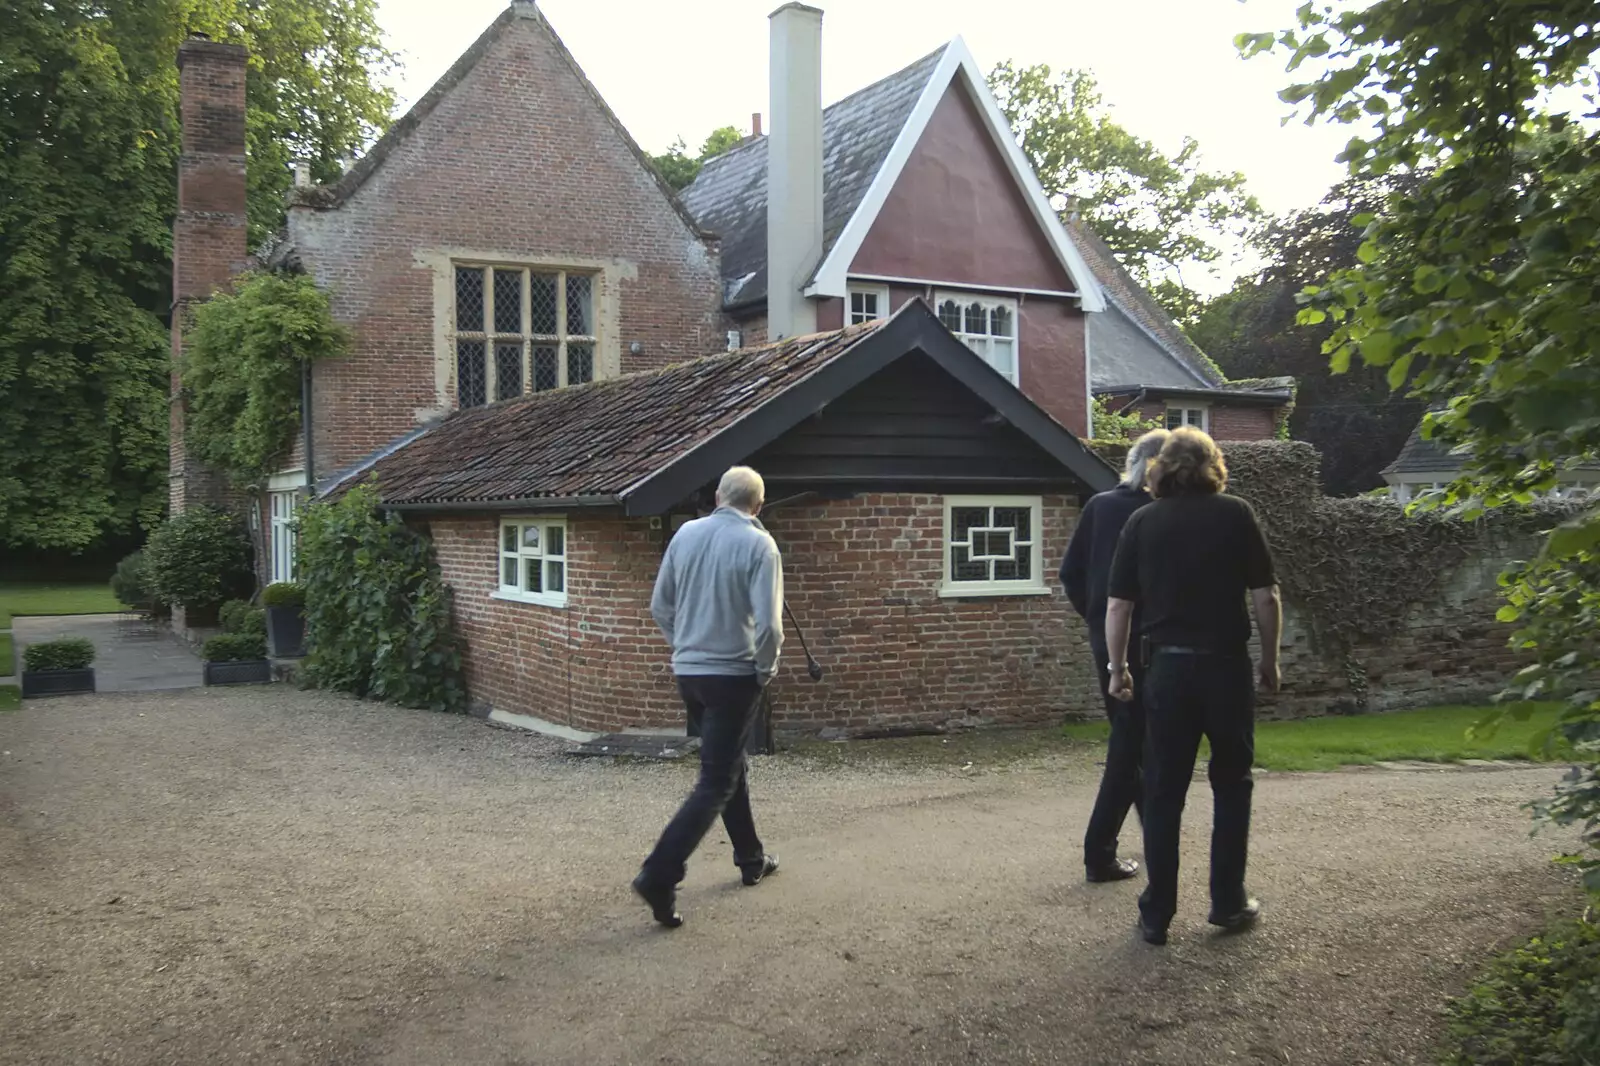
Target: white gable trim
x=832, y=275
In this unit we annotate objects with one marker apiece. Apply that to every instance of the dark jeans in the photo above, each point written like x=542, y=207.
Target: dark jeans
x=726, y=709
x=1120, y=783
x=1187, y=697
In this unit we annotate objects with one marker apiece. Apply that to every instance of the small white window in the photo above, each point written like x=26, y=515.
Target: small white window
x=992, y=546
x=284, y=534
x=867, y=304
x=533, y=561
x=1198, y=417
x=987, y=325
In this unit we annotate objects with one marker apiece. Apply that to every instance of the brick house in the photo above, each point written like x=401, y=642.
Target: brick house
x=915, y=187
x=530, y=378
x=1425, y=464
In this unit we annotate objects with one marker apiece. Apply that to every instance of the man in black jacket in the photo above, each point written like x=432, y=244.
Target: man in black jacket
x=1085, y=574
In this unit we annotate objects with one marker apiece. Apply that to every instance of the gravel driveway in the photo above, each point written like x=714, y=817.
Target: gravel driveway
x=270, y=876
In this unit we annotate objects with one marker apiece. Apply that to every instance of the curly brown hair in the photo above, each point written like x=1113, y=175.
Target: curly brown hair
x=1190, y=461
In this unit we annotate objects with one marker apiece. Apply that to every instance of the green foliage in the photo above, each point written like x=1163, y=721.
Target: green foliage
x=1482, y=283
x=679, y=169
x=131, y=584
x=1111, y=426
x=242, y=370
x=1158, y=213
x=199, y=558
x=378, y=614
x=284, y=594
x=68, y=653
x=89, y=143
x=1354, y=419
x=241, y=617
x=234, y=647
x=1537, y=1005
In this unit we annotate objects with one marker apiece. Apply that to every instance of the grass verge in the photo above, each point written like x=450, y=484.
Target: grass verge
x=29, y=599
x=10, y=697
x=8, y=655
x=1432, y=734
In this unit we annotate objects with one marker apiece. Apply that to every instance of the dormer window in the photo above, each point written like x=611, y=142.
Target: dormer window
x=517, y=330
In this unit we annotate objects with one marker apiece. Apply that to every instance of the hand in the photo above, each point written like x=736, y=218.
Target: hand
x=1269, y=676
x=1121, y=687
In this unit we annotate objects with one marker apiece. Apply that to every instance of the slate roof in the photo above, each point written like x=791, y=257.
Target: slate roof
x=729, y=197
x=601, y=439
x=1136, y=303
x=1422, y=456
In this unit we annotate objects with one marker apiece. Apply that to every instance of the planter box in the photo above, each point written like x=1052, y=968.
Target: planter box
x=56, y=682
x=286, y=632
x=242, y=672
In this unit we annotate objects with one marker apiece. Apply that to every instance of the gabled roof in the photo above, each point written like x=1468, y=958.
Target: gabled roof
x=645, y=441
x=334, y=195
x=729, y=196
x=1423, y=455
x=866, y=140
x=1146, y=314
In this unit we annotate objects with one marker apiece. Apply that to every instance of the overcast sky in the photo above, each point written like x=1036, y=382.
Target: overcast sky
x=684, y=67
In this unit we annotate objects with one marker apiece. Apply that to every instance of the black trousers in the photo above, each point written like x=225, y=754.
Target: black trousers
x=1186, y=697
x=726, y=709
x=1121, y=783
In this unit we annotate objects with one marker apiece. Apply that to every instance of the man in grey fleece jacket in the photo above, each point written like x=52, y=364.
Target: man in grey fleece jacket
x=719, y=602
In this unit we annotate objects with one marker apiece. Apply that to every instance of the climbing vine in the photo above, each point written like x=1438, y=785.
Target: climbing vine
x=243, y=357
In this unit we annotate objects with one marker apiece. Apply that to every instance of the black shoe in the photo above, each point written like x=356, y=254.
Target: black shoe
x=1115, y=870
x=1153, y=934
x=755, y=872
x=1240, y=919
x=663, y=901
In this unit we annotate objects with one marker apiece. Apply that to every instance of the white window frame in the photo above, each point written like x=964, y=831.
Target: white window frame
x=1031, y=586
x=492, y=338
x=540, y=557
x=983, y=344
x=283, y=525
x=1186, y=409
x=879, y=292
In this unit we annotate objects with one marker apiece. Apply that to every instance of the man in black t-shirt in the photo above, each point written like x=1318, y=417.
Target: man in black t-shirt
x=1187, y=561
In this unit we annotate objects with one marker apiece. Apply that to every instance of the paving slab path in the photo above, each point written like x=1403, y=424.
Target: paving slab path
x=273, y=876
x=132, y=654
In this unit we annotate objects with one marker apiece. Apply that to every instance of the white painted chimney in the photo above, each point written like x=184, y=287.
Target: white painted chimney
x=794, y=169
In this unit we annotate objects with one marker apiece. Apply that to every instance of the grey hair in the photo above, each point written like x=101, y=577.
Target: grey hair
x=742, y=489
x=1144, y=449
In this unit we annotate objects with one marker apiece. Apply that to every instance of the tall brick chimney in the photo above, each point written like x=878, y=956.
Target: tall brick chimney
x=209, y=232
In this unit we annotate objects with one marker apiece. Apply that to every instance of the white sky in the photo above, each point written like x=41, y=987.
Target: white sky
x=1167, y=67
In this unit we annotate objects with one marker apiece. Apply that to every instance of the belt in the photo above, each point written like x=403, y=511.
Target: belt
x=1178, y=649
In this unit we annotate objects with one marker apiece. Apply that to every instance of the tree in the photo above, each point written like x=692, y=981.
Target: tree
x=679, y=169
x=1483, y=281
x=1354, y=419
x=89, y=143
x=1160, y=214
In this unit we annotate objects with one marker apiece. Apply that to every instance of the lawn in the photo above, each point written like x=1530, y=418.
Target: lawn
x=1433, y=734
x=27, y=599
x=7, y=655
x=10, y=697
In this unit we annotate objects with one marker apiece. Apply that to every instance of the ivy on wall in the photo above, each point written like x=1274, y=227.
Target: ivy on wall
x=1356, y=567
x=243, y=357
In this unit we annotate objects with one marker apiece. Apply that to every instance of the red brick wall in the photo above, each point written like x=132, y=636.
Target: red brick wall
x=863, y=578
x=516, y=164
x=1227, y=423
x=209, y=230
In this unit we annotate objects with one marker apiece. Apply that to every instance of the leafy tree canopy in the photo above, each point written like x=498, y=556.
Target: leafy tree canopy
x=89, y=143
x=1355, y=420
x=1160, y=214
x=679, y=169
x=1482, y=280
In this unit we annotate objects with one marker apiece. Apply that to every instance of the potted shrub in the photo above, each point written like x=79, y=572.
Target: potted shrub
x=236, y=659
x=285, y=602
x=58, y=667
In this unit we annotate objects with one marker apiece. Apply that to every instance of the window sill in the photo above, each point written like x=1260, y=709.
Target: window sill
x=976, y=591
x=530, y=598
